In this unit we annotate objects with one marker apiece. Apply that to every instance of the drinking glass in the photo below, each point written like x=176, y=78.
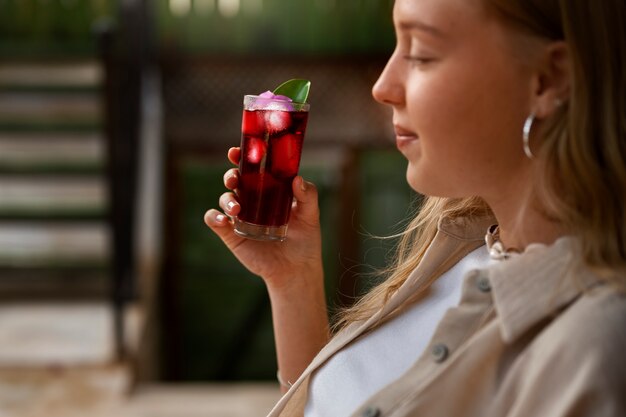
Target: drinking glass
x=272, y=132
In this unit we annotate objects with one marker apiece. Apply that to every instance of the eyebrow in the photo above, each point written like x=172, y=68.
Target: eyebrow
x=421, y=26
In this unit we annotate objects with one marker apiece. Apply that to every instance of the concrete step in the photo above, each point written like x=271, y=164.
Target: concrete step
x=49, y=108
x=53, y=244
x=61, y=334
x=85, y=73
x=56, y=334
x=72, y=393
x=42, y=195
x=35, y=150
x=79, y=391
x=199, y=400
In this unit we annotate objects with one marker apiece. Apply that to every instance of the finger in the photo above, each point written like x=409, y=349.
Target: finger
x=234, y=154
x=223, y=228
x=231, y=178
x=306, y=197
x=229, y=204
x=214, y=218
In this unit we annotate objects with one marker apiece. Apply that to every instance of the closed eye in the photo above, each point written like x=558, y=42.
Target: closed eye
x=419, y=60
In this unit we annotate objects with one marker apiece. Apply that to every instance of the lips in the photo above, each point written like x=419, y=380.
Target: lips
x=404, y=136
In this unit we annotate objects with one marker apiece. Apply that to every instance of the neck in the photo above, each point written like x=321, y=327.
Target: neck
x=522, y=221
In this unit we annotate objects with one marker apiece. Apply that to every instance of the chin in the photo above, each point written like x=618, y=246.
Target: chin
x=430, y=185
x=416, y=181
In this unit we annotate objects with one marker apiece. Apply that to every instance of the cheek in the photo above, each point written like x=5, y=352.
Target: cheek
x=479, y=105
x=449, y=114
x=466, y=122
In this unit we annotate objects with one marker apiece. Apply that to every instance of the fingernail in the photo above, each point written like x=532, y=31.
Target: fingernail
x=303, y=185
x=230, y=205
x=220, y=218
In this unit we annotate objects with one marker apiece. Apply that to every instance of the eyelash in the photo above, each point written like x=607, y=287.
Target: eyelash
x=417, y=60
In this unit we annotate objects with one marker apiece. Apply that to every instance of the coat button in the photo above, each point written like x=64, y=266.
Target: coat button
x=371, y=412
x=483, y=284
x=440, y=352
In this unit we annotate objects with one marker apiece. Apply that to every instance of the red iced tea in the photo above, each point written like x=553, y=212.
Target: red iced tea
x=271, y=146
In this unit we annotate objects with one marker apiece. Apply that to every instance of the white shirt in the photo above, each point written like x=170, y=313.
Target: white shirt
x=363, y=368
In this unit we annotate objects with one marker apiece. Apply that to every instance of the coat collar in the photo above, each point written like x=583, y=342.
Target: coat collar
x=537, y=283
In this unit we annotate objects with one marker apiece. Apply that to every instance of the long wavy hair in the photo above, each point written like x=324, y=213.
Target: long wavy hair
x=582, y=147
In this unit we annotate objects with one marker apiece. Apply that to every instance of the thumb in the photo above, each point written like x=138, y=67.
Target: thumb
x=306, y=197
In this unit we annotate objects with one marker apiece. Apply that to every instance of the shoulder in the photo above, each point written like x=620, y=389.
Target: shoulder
x=587, y=337
x=574, y=364
x=596, y=319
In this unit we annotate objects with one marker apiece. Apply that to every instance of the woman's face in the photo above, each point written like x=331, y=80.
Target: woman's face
x=459, y=97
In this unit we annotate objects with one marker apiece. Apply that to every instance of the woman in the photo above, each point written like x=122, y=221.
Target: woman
x=512, y=117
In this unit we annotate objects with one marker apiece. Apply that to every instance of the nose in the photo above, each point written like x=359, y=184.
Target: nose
x=389, y=89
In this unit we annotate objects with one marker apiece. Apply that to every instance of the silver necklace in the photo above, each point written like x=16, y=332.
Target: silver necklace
x=496, y=249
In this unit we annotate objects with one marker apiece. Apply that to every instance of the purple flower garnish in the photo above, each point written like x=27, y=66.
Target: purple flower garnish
x=271, y=101
x=270, y=95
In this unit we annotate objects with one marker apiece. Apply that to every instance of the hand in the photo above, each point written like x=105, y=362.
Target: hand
x=278, y=263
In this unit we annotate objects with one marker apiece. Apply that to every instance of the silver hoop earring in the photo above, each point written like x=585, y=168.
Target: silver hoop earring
x=528, y=124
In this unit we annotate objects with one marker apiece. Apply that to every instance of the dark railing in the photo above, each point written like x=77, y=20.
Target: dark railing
x=124, y=49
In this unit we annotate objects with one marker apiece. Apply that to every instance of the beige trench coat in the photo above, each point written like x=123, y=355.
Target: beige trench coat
x=531, y=336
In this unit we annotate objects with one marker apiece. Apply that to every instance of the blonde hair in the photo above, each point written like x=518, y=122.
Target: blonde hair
x=410, y=250
x=582, y=177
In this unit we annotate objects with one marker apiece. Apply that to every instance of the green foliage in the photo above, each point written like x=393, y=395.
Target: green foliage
x=275, y=27
x=264, y=27
x=50, y=26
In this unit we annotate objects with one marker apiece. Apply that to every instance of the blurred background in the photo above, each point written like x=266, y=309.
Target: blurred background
x=115, y=119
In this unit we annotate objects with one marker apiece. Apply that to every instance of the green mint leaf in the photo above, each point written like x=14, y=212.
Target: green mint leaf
x=297, y=90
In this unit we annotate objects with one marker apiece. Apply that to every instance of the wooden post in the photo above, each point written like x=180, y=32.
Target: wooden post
x=349, y=250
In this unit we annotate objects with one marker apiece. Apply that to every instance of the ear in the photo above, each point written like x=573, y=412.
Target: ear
x=553, y=79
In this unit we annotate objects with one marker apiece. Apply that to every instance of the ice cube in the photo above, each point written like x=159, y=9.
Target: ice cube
x=277, y=121
x=278, y=105
x=255, y=150
x=286, y=155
